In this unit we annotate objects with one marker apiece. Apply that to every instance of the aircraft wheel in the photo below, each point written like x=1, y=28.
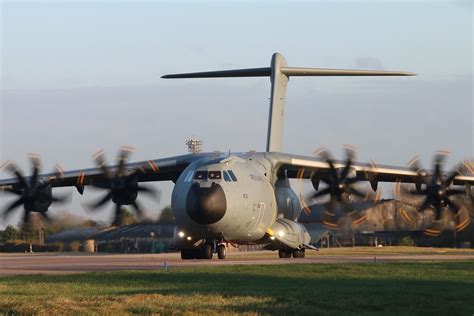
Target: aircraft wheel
x=221, y=251
x=187, y=254
x=206, y=252
x=298, y=253
x=283, y=253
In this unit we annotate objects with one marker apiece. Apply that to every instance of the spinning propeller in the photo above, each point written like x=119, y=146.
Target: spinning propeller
x=340, y=187
x=121, y=184
x=34, y=193
x=436, y=188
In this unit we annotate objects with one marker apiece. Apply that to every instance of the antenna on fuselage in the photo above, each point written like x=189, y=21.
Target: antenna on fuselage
x=279, y=74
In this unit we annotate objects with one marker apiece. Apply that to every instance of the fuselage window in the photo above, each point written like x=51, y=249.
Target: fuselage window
x=200, y=175
x=215, y=175
x=226, y=176
x=232, y=175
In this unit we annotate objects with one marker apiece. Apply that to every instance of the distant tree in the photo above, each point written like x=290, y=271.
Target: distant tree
x=10, y=233
x=407, y=241
x=166, y=215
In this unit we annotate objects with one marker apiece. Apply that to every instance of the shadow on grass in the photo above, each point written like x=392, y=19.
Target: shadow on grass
x=297, y=289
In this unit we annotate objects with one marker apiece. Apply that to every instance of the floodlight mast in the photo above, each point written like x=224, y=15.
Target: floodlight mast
x=279, y=74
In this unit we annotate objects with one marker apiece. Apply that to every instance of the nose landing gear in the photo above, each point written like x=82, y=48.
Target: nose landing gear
x=221, y=251
x=206, y=251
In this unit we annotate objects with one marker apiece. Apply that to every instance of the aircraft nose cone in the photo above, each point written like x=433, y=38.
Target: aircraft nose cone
x=206, y=205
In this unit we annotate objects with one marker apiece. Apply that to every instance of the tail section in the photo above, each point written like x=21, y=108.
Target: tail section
x=279, y=74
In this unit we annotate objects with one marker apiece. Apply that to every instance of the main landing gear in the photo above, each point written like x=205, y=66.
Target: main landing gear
x=206, y=251
x=287, y=253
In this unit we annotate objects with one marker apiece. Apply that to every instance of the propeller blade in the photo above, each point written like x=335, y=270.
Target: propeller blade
x=352, y=180
x=415, y=167
x=99, y=160
x=452, y=205
x=438, y=210
x=416, y=192
x=346, y=169
x=118, y=215
x=426, y=204
x=438, y=162
x=12, y=191
x=18, y=174
x=122, y=159
x=61, y=199
x=26, y=217
x=350, y=153
x=455, y=192
x=46, y=217
x=332, y=205
x=147, y=189
x=12, y=206
x=35, y=163
x=345, y=202
x=357, y=193
x=322, y=192
x=451, y=177
x=138, y=210
x=102, y=201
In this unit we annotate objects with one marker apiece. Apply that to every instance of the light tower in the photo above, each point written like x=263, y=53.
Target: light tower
x=194, y=145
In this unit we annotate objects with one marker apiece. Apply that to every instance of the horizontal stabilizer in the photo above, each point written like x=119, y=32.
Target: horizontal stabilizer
x=297, y=71
x=251, y=72
x=288, y=71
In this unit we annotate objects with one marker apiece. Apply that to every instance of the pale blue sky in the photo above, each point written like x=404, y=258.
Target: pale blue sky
x=79, y=76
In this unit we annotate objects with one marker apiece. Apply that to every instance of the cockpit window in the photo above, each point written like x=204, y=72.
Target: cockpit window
x=232, y=175
x=200, y=175
x=214, y=175
x=226, y=176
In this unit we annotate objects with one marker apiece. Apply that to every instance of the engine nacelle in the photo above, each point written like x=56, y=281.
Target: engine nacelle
x=287, y=201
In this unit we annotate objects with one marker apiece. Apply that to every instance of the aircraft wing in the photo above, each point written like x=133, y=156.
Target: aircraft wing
x=164, y=169
x=305, y=167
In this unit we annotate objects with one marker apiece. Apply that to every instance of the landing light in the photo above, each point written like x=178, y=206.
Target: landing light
x=181, y=234
x=188, y=238
x=272, y=237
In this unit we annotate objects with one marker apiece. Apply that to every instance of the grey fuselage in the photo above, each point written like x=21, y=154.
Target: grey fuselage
x=234, y=198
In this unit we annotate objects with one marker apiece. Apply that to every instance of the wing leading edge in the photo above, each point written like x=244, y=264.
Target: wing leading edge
x=164, y=169
x=305, y=167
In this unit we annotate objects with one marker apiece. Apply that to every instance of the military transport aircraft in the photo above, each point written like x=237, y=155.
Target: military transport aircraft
x=242, y=198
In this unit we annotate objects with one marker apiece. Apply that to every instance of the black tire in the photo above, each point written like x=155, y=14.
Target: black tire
x=283, y=253
x=298, y=253
x=221, y=251
x=187, y=254
x=206, y=252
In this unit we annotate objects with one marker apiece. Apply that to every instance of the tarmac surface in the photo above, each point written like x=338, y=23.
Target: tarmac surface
x=26, y=263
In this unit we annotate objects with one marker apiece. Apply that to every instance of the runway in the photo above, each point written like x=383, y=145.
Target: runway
x=18, y=264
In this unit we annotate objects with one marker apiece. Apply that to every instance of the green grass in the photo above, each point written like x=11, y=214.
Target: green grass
x=431, y=288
